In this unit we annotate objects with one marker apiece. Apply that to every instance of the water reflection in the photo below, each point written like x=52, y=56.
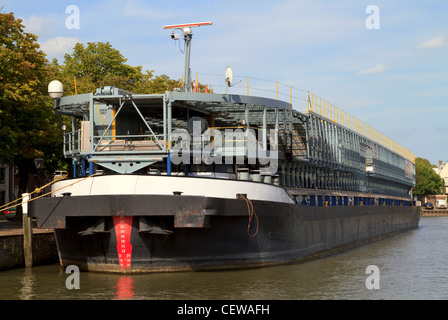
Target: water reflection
x=125, y=288
x=412, y=265
x=27, y=282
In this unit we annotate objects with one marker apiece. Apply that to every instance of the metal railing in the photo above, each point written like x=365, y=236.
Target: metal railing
x=72, y=143
x=298, y=97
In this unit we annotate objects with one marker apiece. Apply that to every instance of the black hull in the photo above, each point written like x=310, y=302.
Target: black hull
x=183, y=233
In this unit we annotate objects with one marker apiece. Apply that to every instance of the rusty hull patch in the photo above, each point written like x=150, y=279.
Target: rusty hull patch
x=192, y=218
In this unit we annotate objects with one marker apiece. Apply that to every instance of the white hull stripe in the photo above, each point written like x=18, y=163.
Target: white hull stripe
x=167, y=185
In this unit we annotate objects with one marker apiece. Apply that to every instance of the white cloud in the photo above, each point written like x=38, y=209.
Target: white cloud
x=59, y=45
x=379, y=68
x=37, y=25
x=438, y=42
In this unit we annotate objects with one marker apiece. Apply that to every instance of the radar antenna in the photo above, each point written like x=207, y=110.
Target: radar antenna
x=186, y=30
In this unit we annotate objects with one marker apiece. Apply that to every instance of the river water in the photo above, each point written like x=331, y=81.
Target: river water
x=411, y=265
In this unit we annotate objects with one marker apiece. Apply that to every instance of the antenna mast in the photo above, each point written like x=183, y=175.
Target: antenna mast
x=186, y=30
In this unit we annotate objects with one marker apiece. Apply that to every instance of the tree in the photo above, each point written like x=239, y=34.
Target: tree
x=98, y=64
x=29, y=128
x=94, y=66
x=28, y=125
x=427, y=181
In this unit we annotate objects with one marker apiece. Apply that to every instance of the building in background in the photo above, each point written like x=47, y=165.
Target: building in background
x=442, y=171
x=9, y=187
x=437, y=200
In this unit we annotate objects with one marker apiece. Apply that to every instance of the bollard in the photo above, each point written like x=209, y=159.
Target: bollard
x=27, y=232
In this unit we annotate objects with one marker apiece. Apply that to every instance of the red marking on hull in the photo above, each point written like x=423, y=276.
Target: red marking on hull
x=123, y=227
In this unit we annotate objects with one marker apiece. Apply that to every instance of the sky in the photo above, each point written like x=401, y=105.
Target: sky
x=383, y=61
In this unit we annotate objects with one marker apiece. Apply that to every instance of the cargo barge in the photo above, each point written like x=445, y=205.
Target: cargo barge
x=186, y=181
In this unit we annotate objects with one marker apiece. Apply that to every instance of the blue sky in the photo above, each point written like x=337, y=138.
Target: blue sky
x=394, y=78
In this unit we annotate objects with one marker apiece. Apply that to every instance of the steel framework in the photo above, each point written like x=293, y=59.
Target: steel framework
x=125, y=132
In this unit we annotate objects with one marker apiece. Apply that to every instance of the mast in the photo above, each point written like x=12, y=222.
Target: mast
x=188, y=35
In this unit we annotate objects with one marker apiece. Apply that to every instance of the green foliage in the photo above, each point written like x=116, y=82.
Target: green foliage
x=29, y=128
x=99, y=64
x=94, y=66
x=426, y=179
x=28, y=125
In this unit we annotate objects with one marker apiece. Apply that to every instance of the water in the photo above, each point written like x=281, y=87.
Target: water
x=412, y=265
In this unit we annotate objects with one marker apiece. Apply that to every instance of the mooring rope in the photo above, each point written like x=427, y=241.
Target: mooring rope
x=43, y=195
x=252, y=213
x=250, y=206
x=36, y=190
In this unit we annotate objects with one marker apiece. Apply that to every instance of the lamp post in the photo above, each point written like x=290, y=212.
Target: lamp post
x=39, y=163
